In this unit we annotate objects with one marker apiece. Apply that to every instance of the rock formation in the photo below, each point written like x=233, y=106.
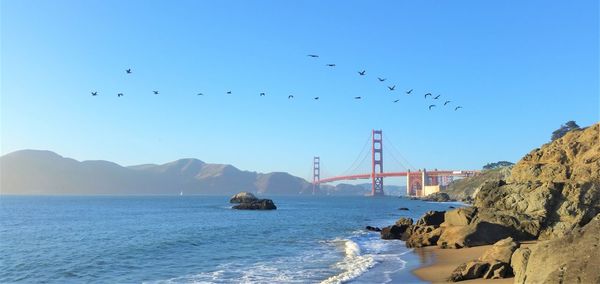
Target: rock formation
x=243, y=197
x=551, y=195
x=573, y=258
x=438, y=197
x=260, y=204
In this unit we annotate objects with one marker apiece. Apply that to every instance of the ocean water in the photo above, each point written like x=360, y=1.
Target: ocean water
x=200, y=239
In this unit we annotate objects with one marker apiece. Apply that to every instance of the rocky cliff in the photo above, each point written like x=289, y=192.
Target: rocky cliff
x=551, y=195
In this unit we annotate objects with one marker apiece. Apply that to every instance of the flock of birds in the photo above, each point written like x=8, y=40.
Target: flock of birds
x=360, y=73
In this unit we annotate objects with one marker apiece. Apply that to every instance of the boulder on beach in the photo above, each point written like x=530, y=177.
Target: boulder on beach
x=243, y=197
x=493, y=264
x=260, y=204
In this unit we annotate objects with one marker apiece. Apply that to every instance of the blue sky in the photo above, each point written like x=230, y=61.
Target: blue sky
x=519, y=68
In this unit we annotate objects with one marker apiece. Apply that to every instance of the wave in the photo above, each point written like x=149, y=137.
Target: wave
x=352, y=265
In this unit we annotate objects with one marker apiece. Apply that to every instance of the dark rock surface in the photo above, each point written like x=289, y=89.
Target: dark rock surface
x=373, y=229
x=261, y=204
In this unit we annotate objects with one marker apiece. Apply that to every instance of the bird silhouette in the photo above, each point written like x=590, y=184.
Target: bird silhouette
x=447, y=102
x=430, y=106
x=409, y=91
x=428, y=94
x=396, y=101
x=128, y=71
x=456, y=108
x=392, y=87
x=316, y=98
x=229, y=92
x=436, y=97
x=262, y=94
x=290, y=97
x=200, y=94
x=331, y=65
x=94, y=93
x=362, y=73
x=380, y=79
x=155, y=92
x=313, y=55
x=120, y=95
x=357, y=98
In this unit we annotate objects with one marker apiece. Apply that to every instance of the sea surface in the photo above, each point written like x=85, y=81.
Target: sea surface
x=200, y=239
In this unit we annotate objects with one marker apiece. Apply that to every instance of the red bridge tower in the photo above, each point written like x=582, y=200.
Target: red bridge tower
x=377, y=163
x=316, y=174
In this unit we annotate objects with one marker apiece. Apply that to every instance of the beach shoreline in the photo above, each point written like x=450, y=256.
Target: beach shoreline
x=439, y=264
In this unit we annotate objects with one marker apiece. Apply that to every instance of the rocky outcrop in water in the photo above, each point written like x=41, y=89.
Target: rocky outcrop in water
x=261, y=204
x=243, y=197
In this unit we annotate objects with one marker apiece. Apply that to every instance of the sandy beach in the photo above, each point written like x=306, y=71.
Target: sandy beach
x=444, y=261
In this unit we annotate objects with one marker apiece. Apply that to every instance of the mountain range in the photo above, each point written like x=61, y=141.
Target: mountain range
x=32, y=172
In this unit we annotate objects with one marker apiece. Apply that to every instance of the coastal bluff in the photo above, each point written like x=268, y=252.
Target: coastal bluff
x=550, y=197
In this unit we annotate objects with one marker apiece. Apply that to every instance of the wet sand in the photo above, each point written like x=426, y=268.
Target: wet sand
x=439, y=264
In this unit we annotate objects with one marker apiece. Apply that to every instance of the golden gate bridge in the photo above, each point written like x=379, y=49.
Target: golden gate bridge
x=418, y=182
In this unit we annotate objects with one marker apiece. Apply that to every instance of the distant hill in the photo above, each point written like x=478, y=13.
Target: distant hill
x=45, y=172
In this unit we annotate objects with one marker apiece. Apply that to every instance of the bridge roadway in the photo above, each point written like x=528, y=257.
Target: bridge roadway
x=396, y=174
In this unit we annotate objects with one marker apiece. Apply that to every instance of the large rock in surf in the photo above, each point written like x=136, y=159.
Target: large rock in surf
x=243, y=197
x=260, y=204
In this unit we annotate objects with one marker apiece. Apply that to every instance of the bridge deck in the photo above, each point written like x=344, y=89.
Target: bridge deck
x=397, y=174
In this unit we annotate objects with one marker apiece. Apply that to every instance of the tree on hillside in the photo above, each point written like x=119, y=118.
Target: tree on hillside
x=500, y=164
x=570, y=125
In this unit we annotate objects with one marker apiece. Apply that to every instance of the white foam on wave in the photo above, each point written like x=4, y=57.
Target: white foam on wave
x=352, y=265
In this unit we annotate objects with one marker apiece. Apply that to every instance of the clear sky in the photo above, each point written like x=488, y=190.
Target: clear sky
x=519, y=69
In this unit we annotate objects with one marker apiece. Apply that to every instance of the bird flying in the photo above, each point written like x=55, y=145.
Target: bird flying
x=428, y=94
x=409, y=91
x=447, y=102
x=362, y=73
x=128, y=71
x=316, y=98
x=94, y=93
x=155, y=92
x=456, y=108
x=357, y=98
x=290, y=97
x=436, y=97
x=331, y=65
x=313, y=55
x=119, y=94
x=430, y=106
x=392, y=87
x=200, y=94
x=229, y=92
x=380, y=79
x=396, y=101
x=262, y=94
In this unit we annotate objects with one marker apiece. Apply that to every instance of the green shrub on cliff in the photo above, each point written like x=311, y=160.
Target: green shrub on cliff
x=500, y=164
x=570, y=125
